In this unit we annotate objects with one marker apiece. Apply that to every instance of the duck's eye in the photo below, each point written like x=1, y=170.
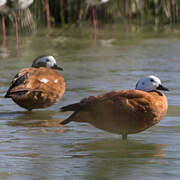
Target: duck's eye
x=47, y=60
x=152, y=80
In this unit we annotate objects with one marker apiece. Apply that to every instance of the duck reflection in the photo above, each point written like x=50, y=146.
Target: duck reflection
x=35, y=119
x=113, y=158
x=94, y=157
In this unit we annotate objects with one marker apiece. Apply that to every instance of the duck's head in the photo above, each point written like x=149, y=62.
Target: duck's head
x=46, y=61
x=150, y=83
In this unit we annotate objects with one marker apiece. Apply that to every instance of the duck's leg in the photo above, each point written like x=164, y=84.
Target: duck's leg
x=124, y=137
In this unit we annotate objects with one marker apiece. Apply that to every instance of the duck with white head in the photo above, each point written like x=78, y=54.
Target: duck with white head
x=123, y=111
x=150, y=83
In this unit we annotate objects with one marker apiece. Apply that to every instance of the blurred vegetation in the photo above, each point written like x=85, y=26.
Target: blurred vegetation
x=127, y=11
x=76, y=12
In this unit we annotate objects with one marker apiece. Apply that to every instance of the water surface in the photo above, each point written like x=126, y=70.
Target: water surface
x=34, y=146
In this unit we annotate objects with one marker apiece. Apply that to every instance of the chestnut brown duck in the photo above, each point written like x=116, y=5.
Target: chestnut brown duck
x=123, y=111
x=38, y=86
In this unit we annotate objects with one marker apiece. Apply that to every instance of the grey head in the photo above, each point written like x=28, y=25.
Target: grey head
x=46, y=61
x=150, y=83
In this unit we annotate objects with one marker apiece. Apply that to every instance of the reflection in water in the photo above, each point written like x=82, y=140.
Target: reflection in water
x=174, y=111
x=4, y=51
x=113, y=158
x=43, y=119
x=31, y=146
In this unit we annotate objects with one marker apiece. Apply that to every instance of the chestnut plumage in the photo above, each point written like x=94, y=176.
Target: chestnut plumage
x=124, y=111
x=39, y=86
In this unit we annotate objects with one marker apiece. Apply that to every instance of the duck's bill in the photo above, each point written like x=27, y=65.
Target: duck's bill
x=161, y=87
x=57, y=67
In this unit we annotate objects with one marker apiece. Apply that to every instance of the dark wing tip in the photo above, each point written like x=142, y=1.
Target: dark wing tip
x=16, y=82
x=19, y=80
x=65, y=122
x=7, y=95
x=63, y=109
x=71, y=107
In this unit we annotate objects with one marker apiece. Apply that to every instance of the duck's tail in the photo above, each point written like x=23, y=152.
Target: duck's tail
x=72, y=107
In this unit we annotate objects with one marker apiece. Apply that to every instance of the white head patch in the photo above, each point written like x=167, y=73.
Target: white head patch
x=51, y=61
x=148, y=83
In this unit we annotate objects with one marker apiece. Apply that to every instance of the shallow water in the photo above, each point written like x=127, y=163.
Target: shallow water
x=34, y=146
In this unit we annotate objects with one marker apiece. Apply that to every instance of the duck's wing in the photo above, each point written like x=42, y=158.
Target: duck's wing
x=123, y=101
x=19, y=83
x=114, y=97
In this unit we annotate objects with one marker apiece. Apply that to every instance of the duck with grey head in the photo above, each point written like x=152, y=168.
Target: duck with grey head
x=38, y=86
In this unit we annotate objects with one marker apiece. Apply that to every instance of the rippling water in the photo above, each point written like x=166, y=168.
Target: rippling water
x=33, y=145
